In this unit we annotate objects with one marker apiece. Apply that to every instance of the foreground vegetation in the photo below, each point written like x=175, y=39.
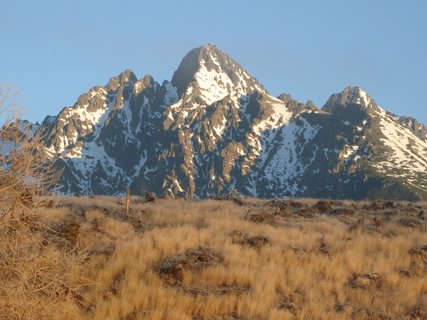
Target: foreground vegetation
x=245, y=258
x=40, y=278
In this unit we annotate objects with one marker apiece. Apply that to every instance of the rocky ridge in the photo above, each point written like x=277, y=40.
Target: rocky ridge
x=214, y=128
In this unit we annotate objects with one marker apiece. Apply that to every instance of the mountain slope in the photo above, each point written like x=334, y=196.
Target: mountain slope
x=214, y=128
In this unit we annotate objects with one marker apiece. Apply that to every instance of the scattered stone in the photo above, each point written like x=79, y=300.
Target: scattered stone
x=195, y=290
x=371, y=314
x=95, y=225
x=421, y=252
x=263, y=217
x=232, y=289
x=245, y=239
x=323, y=206
x=410, y=222
x=278, y=203
x=288, y=305
x=323, y=247
x=389, y=204
x=341, y=307
x=205, y=290
x=337, y=203
x=172, y=268
x=238, y=201
x=418, y=250
x=377, y=222
x=69, y=230
x=405, y=273
x=50, y=204
x=108, y=251
x=306, y=212
x=417, y=313
x=357, y=225
x=363, y=281
x=201, y=223
x=117, y=280
x=341, y=212
x=256, y=241
x=373, y=206
x=296, y=204
x=217, y=317
x=411, y=208
x=136, y=223
x=150, y=197
x=390, y=213
x=172, y=272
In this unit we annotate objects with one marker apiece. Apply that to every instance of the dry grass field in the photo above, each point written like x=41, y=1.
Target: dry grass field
x=246, y=258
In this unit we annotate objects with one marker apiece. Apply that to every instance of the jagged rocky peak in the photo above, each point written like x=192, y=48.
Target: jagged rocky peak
x=147, y=80
x=350, y=96
x=123, y=78
x=212, y=74
x=285, y=97
x=295, y=106
x=419, y=129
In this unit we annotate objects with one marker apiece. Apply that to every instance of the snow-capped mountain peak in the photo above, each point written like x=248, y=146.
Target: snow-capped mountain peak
x=214, y=128
x=123, y=78
x=212, y=75
x=351, y=96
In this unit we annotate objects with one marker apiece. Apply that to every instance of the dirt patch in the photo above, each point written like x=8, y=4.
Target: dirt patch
x=245, y=239
x=171, y=269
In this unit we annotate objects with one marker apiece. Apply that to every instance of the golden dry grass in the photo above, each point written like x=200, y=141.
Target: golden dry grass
x=177, y=259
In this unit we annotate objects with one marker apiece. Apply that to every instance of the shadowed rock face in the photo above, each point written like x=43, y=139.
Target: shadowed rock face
x=214, y=128
x=412, y=124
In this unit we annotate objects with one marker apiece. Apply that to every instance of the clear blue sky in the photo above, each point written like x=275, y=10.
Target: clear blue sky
x=52, y=51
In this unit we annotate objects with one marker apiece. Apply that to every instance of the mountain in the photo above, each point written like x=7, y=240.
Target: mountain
x=214, y=128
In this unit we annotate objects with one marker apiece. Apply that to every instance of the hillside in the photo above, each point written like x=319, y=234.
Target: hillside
x=246, y=258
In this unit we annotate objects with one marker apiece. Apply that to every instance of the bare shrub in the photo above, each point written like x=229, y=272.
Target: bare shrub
x=35, y=274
